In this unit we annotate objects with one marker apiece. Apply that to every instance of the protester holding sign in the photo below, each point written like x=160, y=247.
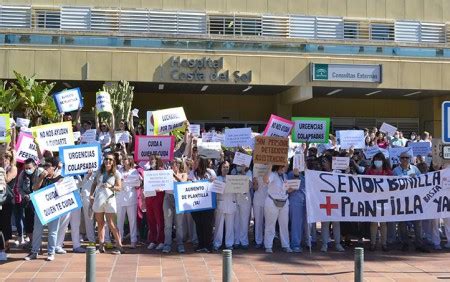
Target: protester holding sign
x=203, y=219
x=127, y=198
x=48, y=176
x=244, y=208
x=105, y=132
x=407, y=169
x=276, y=208
x=225, y=212
x=7, y=163
x=380, y=166
x=170, y=215
x=155, y=214
x=103, y=200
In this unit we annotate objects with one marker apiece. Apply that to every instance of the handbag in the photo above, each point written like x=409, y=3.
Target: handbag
x=278, y=203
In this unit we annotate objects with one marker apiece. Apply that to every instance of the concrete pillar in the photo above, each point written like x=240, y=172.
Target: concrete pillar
x=286, y=99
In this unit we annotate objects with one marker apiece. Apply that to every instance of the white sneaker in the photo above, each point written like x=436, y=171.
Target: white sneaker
x=50, y=257
x=324, y=248
x=60, y=251
x=3, y=256
x=269, y=250
x=339, y=248
x=151, y=246
x=287, y=250
x=159, y=247
x=21, y=240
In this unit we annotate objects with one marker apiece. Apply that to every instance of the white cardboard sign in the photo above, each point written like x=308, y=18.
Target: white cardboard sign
x=168, y=120
x=68, y=100
x=217, y=186
x=242, y=159
x=388, y=129
x=103, y=102
x=236, y=184
x=89, y=136
x=237, y=137
x=158, y=180
x=22, y=122
x=340, y=163
x=351, y=138
x=52, y=136
x=194, y=129
x=211, y=150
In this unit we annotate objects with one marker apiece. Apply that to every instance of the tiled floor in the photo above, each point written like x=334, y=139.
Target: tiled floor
x=251, y=265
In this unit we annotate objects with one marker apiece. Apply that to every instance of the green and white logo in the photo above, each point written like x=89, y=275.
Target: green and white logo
x=321, y=71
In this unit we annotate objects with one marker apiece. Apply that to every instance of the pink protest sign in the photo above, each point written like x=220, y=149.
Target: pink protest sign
x=278, y=127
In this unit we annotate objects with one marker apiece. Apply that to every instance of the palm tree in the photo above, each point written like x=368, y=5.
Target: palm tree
x=36, y=99
x=9, y=99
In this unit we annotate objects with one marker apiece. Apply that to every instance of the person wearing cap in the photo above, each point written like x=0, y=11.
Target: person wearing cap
x=407, y=169
x=46, y=177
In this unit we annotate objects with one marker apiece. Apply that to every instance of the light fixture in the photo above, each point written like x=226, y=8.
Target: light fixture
x=67, y=85
x=161, y=86
x=373, y=93
x=247, y=89
x=334, y=92
x=412, y=94
x=204, y=88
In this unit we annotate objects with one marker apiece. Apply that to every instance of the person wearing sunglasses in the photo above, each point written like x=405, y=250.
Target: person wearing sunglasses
x=103, y=200
x=407, y=169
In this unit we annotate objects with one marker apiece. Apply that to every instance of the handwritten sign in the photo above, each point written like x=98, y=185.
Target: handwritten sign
x=340, y=163
x=211, y=150
x=158, y=180
x=66, y=186
x=278, y=127
x=293, y=184
x=236, y=184
x=52, y=136
x=79, y=159
x=193, y=196
x=351, y=138
x=122, y=137
x=103, y=102
x=299, y=161
x=420, y=148
x=146, y=146
x=260, y=170
x=25, y=148
x=194, y=129
x=388, y=129
x=5, y=124
x=68, y=100
x=48, y=206
x=236, y=137
x=242, y=159
x=217, y=186
x=22, y=122
x=168, y=120
x=310, y=129
x=271, y=150
x=89, y=136
x=207, y=136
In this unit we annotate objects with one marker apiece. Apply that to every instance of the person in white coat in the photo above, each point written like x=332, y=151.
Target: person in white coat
x=72, y=217
x=259, y=199
x=225, y=212
x=127, y=198
x=276, y=208
x=244, y=208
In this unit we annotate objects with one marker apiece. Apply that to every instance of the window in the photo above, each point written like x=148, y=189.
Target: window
x=237, y=26
x=47, y=19
x=382, y=31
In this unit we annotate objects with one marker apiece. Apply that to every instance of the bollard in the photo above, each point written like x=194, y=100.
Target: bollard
x=90, y=264
x=227, y=266
x=359, y=264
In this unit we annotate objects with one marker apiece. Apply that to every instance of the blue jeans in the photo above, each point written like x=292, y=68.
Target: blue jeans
x=19, y=216
x=38, y=232
x=297, y=217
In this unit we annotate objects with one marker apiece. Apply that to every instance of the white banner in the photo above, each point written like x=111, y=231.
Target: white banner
x=52, y=136
x=237, y=137
x=78, y=159
x=25, y=148
x=237, y=184
x=103, y=102
x=68, y=100
x=193, y=196
x=351, y=138
x=242, y=159
x=161, y=180
x=48, y=206
x=145, y=146
x=168, y=120
x=346, y=197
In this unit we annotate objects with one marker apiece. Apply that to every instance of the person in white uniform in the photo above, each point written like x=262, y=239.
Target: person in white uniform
x=259, y=199
x=242, y=215
x=72, y=217
x=276, y=208
x=88, y=213
x=127, y=198
x=225, y=212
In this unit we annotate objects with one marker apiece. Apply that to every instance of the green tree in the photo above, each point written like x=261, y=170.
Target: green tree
x=37, y=102
x=9, y=100
x=122, y=94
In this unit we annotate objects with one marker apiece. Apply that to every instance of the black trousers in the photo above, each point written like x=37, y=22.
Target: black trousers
x=5, y=220
x=204, y=221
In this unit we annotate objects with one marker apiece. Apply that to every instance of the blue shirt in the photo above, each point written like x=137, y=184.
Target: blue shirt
x=399, y=171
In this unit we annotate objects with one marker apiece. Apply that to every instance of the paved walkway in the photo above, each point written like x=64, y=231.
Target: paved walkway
x=252, y=265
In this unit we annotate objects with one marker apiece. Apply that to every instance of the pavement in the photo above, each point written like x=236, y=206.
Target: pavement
x=251, y=265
